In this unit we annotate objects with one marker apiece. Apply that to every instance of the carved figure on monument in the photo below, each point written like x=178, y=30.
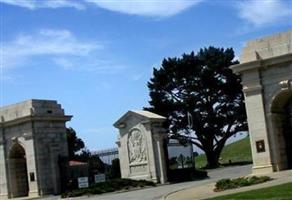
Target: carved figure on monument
x=141, y=133
x=137, y=147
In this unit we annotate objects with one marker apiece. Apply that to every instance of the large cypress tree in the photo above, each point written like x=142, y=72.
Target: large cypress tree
x=203, y=85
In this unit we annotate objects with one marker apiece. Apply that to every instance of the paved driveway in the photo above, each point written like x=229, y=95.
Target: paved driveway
x=156, y=193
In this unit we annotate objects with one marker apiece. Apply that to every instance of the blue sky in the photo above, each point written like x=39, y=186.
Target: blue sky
x=96, y=56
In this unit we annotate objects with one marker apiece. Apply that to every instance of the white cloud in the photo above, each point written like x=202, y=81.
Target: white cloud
x=46, y=42
x=159, y=8
x=36, y=4
x=156, y=8
x=58, y=47
x=265, y=12
x=89, y=64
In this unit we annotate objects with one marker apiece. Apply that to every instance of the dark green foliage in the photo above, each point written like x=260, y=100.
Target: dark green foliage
x=74, y=193
x=95, y=165
x=78, y=151
x=225, y=184
x=114, y=169
x=75, y=144
x=203, y=85
x=108, y=186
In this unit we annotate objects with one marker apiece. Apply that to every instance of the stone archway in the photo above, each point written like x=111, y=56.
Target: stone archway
x=281, y=111
x=27, y=168
x=18, y=178
x=288, y=133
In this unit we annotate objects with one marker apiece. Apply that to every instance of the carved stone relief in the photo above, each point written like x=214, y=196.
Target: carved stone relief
x=286, y=84
x=137, y=147
x=138, y=169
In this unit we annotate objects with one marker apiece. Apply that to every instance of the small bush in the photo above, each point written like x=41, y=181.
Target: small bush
x=225, y=184
x=261, y=179
x=74, y=193
x=108, y=186
x=96, y=190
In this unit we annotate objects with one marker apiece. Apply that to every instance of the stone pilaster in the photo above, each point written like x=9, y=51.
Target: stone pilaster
x=31, y=168
x=3, y=177
x=254, y=102
x=159, y=138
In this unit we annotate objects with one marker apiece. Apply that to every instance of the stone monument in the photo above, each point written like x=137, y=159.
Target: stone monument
x=32, y=139
x=266, y=71
x=141, y=146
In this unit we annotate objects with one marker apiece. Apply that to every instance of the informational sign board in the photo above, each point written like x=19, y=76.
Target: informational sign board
x=98, y=178
x=180, y=156
x=83, y=182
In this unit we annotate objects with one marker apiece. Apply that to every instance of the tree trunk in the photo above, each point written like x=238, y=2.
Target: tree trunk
x=212, y=159
x=214, y=155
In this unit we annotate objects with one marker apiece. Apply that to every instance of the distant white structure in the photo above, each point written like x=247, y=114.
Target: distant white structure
x=107, y=155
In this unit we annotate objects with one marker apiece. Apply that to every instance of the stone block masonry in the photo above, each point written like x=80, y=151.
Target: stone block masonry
x=32, y=139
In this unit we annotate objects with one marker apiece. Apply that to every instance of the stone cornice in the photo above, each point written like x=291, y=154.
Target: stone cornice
x=246, y=66
x=252, y=89
x=29, y=118
x=269, y=62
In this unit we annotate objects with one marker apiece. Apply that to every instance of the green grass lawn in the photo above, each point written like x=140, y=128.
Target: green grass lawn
x=280, y=192
x=238, y=151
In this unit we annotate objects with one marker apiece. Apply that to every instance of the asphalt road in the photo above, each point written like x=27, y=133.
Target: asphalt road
x=156, y=193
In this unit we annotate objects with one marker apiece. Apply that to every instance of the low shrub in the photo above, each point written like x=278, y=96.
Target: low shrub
x=108, y=186
x=74, y=193
x=225, y=184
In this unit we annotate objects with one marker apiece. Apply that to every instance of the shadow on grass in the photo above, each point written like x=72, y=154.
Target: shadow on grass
x=230, y=164
x=236, y=163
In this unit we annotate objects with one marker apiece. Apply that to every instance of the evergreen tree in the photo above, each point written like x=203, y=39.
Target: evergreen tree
x=75, y=144
x=204, y=86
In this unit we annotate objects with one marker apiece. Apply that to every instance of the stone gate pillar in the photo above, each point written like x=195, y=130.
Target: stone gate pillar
x=266, y=71
x=3, y=179
x=140, y=145
x=37, y=128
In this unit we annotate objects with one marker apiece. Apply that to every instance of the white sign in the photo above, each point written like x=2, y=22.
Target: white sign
x=83, y=182
x=98, y=178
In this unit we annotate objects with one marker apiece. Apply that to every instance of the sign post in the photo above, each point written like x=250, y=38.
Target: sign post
x=83, y=182
x=98, y=178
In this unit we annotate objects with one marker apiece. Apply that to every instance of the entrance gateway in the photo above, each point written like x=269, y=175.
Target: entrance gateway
x=141, y=146
x=32, y=141
x=266, y=71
